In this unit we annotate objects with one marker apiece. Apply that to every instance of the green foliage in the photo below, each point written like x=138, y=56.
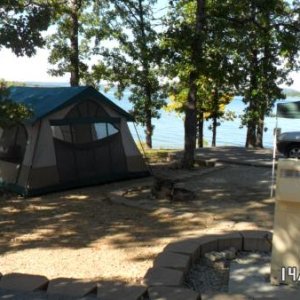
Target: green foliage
x=11, y=113
x=265, y=36
x=133, y=64
x=21, y=23
x=249, y=47
x=79, y=24
x=217, y=74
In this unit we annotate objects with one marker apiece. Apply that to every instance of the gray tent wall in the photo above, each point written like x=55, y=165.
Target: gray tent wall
x=39, y=172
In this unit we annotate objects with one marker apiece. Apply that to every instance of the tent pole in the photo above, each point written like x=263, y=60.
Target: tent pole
x=274, y=157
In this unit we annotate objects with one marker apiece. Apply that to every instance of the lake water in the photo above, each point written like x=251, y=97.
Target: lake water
x=169, y=130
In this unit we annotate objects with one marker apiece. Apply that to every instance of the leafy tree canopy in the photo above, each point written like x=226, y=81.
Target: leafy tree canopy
x=21, y=23
x=10, y=112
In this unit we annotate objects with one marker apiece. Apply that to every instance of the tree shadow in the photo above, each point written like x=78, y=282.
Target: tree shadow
x=85, y=217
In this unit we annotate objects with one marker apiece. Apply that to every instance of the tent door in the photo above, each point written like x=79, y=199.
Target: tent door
x=94, y=160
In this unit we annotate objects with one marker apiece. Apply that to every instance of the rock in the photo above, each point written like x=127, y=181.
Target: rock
x=214, y=256
x=172, y=156
x=162, y=187
x=205, y=163
x=181, y=193
x=230, y=253
x=175, y=165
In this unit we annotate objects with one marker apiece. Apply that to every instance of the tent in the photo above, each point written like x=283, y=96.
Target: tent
x=75, y=137
x=289, y=110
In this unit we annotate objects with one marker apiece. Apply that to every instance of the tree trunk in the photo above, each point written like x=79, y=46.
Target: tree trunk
x=200, y=130
x=149, y=134
x=260, y=127
x=146, y=67
x=253, y=105
x=260, y=133
x=149, y=127
x=190, y=122
x=251, y=136
x=215, y=112
x=251, y=130
x=253, y=101
x=74, y=55
x=190, y=126
x=214, y=132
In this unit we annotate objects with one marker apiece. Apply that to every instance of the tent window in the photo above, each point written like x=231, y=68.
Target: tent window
x=13, y=142
x=83, y=133
x=88, y=108
x=104, y=130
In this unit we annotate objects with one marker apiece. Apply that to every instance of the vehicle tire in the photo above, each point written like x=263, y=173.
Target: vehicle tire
x=293, y=151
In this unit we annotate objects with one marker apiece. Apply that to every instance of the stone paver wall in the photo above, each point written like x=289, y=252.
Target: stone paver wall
x=164, y=281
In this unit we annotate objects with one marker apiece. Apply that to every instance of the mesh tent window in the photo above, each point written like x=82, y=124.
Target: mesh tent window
x=13, y=142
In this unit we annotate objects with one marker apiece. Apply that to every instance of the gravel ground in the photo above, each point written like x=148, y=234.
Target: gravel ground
x=209, y=277
x=81, y=234
x=204, y=277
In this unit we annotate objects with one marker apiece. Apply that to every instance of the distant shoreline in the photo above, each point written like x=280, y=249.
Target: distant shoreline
x=288, y=92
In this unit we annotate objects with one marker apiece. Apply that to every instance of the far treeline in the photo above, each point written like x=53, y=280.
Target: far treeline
x=199, y=53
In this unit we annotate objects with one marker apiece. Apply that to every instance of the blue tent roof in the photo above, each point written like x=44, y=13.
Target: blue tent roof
x=44, y=101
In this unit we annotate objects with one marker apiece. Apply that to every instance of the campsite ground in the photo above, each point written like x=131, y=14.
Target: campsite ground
x=83, y=234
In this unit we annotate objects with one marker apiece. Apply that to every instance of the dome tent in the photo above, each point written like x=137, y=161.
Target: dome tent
x=75, y=137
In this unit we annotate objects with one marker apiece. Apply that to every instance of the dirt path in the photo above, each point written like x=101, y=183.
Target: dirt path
x=81, y=234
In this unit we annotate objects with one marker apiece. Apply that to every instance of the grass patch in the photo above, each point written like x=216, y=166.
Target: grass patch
x=155, y=155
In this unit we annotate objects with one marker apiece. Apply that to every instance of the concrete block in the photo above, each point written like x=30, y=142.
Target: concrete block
x=168, y=293
x=224, y=296
x=229, y=240
x=255, y=240
x=71, y=287
x=208, y=243
x=119, y=290
x=280, y=295
x=189, y=247
x=163, y=277
x=23, y=282
x=173, y=261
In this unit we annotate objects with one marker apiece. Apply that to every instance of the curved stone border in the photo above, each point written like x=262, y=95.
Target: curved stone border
x=163, y=281
x=26, y=286
x=170, y=266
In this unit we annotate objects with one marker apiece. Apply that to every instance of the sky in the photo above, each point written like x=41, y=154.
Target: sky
x=15, y=68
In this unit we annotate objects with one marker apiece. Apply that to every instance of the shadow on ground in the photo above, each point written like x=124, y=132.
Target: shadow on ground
x=77, y=218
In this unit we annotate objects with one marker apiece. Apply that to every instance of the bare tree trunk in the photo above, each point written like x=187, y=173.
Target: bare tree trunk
x=190, y=122
x=74, y=56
